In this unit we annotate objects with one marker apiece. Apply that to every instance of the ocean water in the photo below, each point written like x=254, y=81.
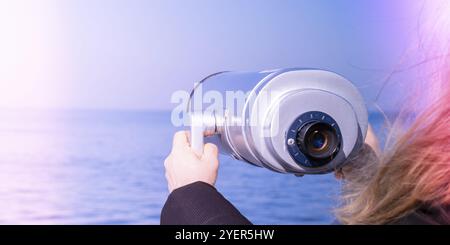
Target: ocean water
x=106, y=167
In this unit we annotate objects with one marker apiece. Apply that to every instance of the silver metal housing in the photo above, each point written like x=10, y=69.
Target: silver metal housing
x=256, y=131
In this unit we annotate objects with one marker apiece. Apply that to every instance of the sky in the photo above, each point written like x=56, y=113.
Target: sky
x=132, y=54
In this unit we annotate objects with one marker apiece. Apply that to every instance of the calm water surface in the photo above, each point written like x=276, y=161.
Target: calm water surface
x=106, y=167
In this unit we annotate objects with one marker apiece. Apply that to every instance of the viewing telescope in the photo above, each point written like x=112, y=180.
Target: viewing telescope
x=300, y=121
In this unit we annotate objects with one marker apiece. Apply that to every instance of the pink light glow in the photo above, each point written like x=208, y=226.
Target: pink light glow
x=434, y=42
x=30, y=54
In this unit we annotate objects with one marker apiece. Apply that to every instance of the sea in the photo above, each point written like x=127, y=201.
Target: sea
x=106, y=167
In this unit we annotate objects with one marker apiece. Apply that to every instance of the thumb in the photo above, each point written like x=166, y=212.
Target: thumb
x=210, y=153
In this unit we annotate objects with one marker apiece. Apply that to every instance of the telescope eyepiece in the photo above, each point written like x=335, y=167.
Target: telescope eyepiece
x=318, y=140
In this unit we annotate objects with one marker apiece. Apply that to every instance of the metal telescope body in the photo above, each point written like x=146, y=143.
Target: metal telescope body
x=266, y=127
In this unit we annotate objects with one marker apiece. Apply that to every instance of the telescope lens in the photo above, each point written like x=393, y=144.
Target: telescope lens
x=318, y=140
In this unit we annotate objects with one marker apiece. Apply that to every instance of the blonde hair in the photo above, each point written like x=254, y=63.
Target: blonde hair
x=414, y=170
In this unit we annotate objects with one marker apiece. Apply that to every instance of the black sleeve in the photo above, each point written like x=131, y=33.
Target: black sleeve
x=200, y=204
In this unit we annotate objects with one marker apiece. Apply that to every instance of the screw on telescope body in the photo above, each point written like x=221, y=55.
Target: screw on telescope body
x=290, y=141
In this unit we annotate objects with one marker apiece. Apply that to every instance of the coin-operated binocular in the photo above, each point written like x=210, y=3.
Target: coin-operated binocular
x=300, y=121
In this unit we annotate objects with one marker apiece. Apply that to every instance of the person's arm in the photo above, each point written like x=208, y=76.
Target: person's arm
x=193, y=199
x=200, y=203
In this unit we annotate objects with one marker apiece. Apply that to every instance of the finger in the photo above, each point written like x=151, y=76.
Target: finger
x=210, y=153
x=210, y=150
x=169, y=181
x=167, y=162
x=338, y=174
x=180, y=140
x=169, y=186
x=372, y=140
x=166, y=174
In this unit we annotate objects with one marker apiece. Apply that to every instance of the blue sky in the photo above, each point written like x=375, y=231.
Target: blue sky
x=133, y=54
